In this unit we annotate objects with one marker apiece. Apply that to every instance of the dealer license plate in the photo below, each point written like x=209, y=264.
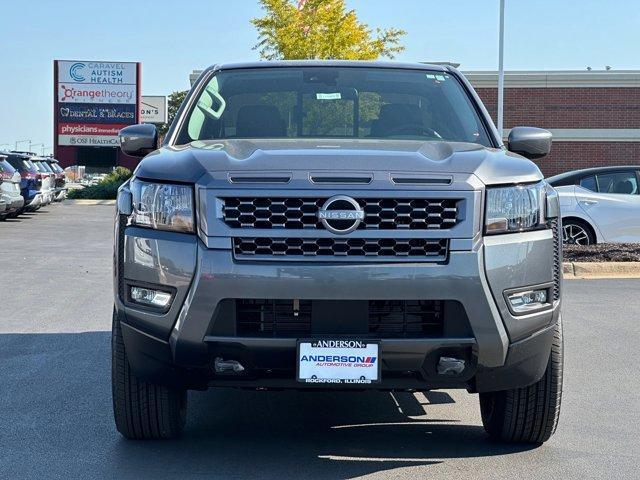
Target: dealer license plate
x=338, y=361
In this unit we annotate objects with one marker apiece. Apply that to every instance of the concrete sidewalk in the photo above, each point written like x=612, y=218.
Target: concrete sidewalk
x=595, y=270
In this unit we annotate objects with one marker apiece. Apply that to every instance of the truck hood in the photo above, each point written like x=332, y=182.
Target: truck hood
x=188, y=163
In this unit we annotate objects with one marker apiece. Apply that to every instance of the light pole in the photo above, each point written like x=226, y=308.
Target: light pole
x=45, y=148
x=501, y=72
x=21, y=141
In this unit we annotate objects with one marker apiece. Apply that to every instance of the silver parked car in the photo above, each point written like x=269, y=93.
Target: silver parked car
x=47, y=177
x=600, y=205
x=10, y=189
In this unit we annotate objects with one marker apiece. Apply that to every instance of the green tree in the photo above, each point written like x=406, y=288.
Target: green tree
x=320, y=29
x=173, y=104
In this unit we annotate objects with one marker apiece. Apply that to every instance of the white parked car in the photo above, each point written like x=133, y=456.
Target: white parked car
x=600, y=205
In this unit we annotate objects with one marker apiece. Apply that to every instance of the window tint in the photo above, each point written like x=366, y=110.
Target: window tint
x=624, y=182
x=21, y=165
x=589, y=183
x=319, y=102
x=29, y=166
x=6, y=168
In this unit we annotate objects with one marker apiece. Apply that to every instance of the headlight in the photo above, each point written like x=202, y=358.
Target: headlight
x=514, y=209
x=162, y=206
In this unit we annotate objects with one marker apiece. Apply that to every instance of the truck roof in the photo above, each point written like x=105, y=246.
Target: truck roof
x=328, y=63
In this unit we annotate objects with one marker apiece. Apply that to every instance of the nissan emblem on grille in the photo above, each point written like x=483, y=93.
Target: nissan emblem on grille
x=341, y=214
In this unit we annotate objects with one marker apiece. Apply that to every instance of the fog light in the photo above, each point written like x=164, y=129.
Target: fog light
x=152, y=298
x=530, y=300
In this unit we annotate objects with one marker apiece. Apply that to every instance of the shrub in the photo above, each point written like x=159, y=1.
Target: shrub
x=107, y=189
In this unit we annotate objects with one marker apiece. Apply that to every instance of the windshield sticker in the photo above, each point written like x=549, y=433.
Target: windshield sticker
x=328, y=96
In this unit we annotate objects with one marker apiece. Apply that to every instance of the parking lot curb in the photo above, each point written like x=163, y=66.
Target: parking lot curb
x=596, y=270
x=84, y=201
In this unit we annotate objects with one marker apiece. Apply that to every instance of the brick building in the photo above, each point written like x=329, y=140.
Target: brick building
x=594, y=115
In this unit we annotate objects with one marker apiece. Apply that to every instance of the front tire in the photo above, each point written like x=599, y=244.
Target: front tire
x=529, y=414
x=142, y=410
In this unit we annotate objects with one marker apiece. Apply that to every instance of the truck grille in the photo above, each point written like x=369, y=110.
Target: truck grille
x=384, y=318
x=301, y=213
x=401, y=318
x=266, y=318
x=431, y=249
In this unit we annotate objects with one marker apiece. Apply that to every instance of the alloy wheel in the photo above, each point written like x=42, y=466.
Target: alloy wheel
x=575, y=235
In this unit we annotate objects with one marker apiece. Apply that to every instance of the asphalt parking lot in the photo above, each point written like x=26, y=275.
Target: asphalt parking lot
x=55, y=398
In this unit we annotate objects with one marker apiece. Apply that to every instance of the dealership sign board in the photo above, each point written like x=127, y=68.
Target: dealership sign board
x=94, y=100
x=153, y=109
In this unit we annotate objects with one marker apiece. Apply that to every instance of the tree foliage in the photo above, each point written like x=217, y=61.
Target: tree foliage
x=173, y=104
x=320, y=29
x=106, y=189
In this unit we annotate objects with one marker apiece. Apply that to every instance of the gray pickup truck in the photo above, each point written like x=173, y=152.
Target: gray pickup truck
x=337, y=225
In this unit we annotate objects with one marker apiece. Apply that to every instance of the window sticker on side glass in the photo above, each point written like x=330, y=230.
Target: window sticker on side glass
x=328, y=96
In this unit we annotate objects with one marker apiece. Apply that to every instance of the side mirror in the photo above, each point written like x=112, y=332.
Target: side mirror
x=139, y=140
x=530, y=142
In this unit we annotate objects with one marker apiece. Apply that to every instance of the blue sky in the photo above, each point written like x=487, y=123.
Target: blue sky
x=171, y=38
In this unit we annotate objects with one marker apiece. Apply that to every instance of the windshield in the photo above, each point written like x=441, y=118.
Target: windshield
x=6, y=170
x=29, y=166
x=343, y=102
x=40, y=166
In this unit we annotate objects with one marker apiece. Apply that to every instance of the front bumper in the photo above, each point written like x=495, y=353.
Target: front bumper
x=407, y=364
x=178, y=347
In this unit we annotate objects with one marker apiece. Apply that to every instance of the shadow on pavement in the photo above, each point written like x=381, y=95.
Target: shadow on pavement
x=57, y=421
x=23, y=216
